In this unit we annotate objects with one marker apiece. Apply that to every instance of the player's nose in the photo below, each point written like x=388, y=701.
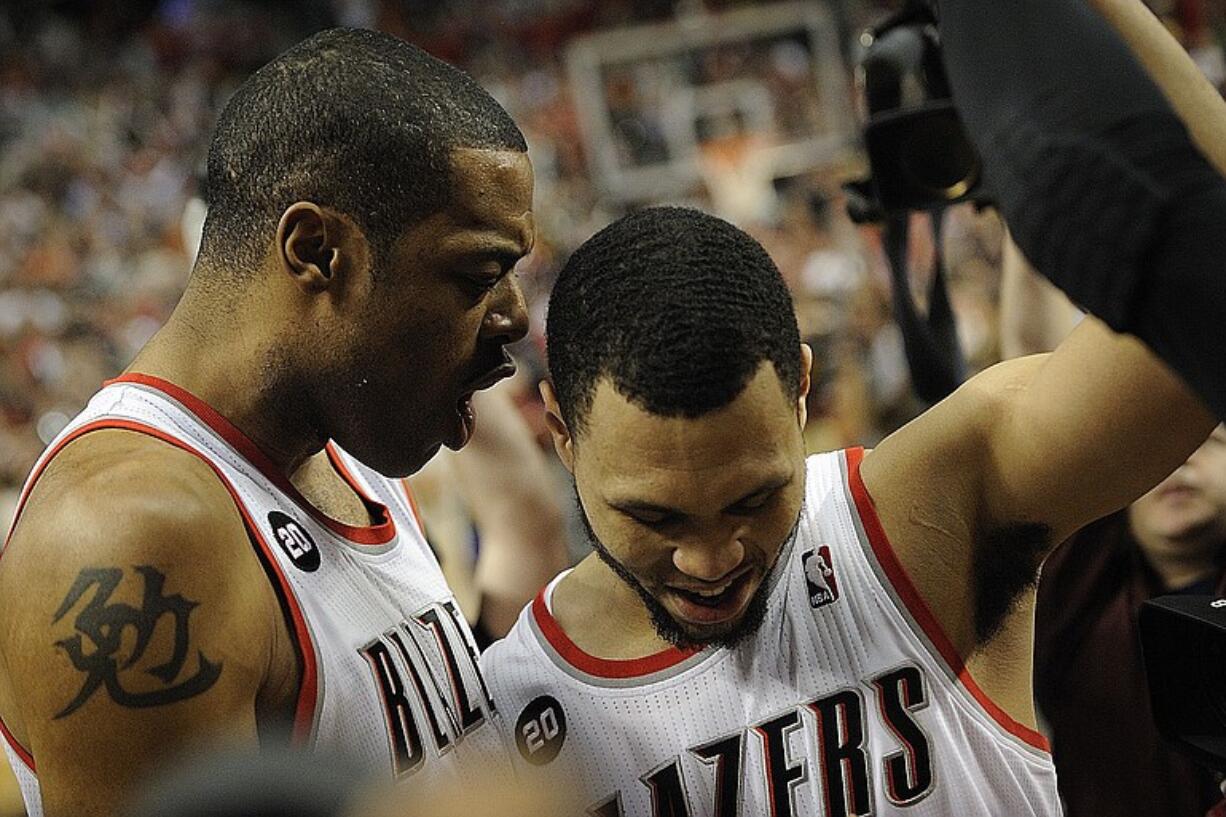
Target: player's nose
x=507, y=318
x=710, y=560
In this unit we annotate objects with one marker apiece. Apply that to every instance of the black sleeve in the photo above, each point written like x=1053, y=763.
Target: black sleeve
x=1099, y=181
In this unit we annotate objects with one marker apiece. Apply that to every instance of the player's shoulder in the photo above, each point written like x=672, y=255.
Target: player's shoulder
x=825, y=472
x=129, y=546
x=120, y=497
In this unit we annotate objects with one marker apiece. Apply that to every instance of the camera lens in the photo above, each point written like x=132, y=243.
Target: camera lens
x=939, y=160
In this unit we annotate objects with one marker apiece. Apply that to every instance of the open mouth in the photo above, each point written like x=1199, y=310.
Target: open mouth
x=464, y=425
x=500, y=372
x=713, y=606
x=713, y=600
x=464, y=408
x=465, y=416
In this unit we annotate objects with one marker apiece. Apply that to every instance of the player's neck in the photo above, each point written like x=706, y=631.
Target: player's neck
x=602, y=615
x=228, y=363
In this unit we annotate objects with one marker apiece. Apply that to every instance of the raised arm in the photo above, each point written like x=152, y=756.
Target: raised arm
x=137, y=622
x=976, y=491
x=1086, y=145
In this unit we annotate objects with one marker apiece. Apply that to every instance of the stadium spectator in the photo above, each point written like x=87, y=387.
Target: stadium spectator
x=1089, y=676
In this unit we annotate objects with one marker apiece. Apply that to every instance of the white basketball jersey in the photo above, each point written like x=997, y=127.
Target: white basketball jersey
x=848, y=701
x=389, y=666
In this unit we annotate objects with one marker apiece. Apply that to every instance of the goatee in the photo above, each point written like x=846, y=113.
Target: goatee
x=667, y=627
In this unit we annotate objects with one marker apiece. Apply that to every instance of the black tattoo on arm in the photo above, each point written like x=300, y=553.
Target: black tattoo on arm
x=103, y=625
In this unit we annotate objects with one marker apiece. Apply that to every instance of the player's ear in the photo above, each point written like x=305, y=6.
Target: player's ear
x=316, y=245
x=806, y=382
x=563, y=443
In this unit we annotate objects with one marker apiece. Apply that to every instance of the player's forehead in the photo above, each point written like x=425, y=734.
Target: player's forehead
x=487, y=216
x=640, y=457
x=491, y=191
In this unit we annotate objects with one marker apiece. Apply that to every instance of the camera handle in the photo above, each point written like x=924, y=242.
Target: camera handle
x=930, y=342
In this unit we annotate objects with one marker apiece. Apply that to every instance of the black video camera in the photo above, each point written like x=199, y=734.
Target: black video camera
x=1184, y=642
x=919, y=153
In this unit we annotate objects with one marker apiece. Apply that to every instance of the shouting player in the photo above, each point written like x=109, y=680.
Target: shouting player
x=193, y=560
x=761, y=633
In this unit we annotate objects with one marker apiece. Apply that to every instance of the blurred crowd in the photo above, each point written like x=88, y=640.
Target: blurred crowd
x=105, y=112
x=105, y=115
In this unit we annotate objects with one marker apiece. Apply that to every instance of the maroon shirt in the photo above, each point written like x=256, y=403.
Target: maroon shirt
x=1090, y=683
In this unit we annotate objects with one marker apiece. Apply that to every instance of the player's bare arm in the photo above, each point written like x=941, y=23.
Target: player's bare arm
x=143, y=622
x=1070, y=437
x=979, y=488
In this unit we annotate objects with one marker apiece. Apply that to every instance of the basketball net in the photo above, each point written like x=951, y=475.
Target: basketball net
x=737, y=177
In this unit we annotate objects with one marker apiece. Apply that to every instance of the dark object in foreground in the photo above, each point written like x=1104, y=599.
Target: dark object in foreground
x=1184, y=643
x=277, y=783
x=1097, y=176
x=921, y=159
x=920, y=156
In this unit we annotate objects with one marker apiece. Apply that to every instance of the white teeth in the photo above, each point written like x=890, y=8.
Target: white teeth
x=707, y=594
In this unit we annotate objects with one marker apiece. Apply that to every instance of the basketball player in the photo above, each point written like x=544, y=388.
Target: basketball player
x=193, y=561
x=761, y=633
x=689, y=667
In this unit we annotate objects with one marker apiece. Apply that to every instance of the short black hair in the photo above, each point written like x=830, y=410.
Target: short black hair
x=351, y=119
x=678, y=308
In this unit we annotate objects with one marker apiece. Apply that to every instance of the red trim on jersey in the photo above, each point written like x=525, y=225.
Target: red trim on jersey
x=574, y=655
x=18, y=749
x=338, y=464
x=919, y=609
x=304, y=709
x=378, y=534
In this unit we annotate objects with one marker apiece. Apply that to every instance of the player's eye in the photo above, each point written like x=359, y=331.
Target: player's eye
x=652, y=519
x=485, y=277
x=754, y=503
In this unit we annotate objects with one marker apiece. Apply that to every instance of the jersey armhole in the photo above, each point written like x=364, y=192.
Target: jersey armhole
x=907, y=597
x=300, y=635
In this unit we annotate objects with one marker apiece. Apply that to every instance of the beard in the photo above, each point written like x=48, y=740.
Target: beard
x=666, y=626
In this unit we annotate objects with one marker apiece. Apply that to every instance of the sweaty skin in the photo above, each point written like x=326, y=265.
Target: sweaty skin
x=322, y=344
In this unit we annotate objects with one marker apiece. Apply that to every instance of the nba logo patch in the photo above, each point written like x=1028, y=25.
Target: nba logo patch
x=819, y=576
